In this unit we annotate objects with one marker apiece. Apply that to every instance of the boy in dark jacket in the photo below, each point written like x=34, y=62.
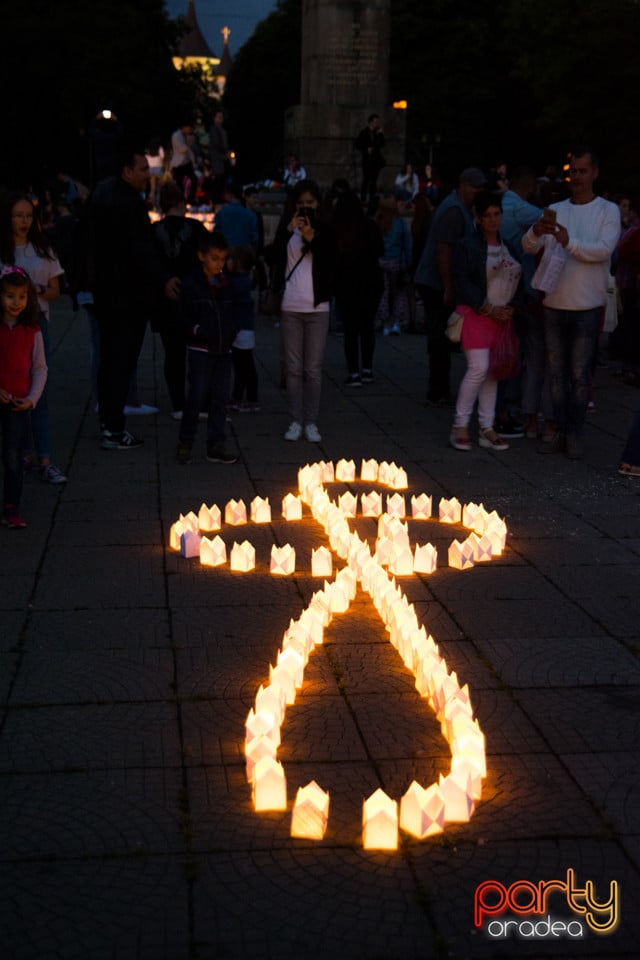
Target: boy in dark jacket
x=209, y=309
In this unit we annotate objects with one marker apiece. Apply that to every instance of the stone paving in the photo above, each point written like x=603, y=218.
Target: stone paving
x=127, y=829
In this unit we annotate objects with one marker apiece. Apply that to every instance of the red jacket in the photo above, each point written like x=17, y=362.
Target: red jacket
x=16, y=358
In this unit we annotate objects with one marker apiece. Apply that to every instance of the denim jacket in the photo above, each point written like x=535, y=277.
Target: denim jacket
x=470, y=270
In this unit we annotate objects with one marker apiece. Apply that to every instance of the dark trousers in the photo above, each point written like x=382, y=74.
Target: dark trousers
x=245, y=377
x=175, y=359
x=436, y=315
x=358, y=324
x=15, y=439
x=570, y=337
x=208, y=382
x=121, y=337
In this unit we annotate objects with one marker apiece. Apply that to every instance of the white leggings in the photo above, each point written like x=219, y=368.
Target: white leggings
x=476, y=385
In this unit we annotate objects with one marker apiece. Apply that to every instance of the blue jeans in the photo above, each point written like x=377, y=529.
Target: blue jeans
x=304, y=337
x=208, y=388
x=15, y=434
x=570, y=338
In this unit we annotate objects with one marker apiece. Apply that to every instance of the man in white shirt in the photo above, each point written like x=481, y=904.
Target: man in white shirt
x=587, y=228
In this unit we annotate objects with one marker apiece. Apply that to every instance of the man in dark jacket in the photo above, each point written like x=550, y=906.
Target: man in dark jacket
x=127, y=286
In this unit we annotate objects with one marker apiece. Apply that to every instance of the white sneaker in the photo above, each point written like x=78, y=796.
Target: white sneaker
x=294, y=432
x=312, y=434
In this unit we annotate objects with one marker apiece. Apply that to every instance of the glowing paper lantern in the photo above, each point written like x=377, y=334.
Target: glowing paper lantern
x=291, y=507
x=457, y=792
x=401, y=561
x=398, y=478
x=190, y=544
x=327, y=473
x=496, y=533
x=293, y=664
x=384, y=472
x=321, y=562
x=271, y=699
x=348, y=504
x=213, y=553
x=260, y=510
x=259, y=747
x=283, y=560
x=269, y=785
x=209, y=518
x=422, y=811
x=345, y=471
x=243, y=557
x=380, y=822
x=450, y=511
x=338, y=597
x=310, y=812
x=175, y=532
x=190, y=521
x=235, y=512
x=261, y=725
x=425, y=558
x=396, y=506
x=461, y=555
x=371, y=504
x=481, y=545
x=421, y=507
x=284, y=679
x=369, y=470
x=470, y=512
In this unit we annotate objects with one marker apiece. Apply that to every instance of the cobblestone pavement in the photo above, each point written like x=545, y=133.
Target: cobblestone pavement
x=127, y=674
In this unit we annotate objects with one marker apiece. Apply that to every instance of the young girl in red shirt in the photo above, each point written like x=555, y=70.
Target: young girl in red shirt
x=23, y=374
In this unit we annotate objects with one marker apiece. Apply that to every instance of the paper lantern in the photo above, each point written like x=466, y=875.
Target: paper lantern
x=496, y=533
x=175, y=532
x=461, y=555
x=338, y=597
x=321, y=562
x=384, y=472
x=213, y=553
x=291, y=507
x=209, y=518
x=285, y=680
x=345, y=471
x=369, y=470
x=421, y=507
x=396, y=506
x=425, y=559
x=348, y=504
x=450, y=511
x=269, y=785
x=235, y=512
x=190, y=544
x=257, y=748
x=380, y=822
x=371, y=504
x=310, y=812
x=190, y=521
x=457, y=792
x=283, y=559
x=293, y=664
x=481, y=546
x=327, y=473
x=260, y=510
x=469, y=513
x=261, y=725
x=398, y=478
x=401, y=561
x=243, y=557
x=422, y=811
x=271, y=699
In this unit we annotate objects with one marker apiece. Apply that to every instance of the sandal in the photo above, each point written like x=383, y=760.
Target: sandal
x=490, y=440
x=629, y=470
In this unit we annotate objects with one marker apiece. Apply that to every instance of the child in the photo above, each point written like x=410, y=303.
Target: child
x=23, y=374
x=209, y=308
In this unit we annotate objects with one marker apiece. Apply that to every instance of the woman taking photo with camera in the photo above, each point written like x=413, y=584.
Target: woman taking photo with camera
x=304, y=263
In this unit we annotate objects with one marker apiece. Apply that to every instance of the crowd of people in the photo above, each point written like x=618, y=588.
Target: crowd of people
x=515, y=268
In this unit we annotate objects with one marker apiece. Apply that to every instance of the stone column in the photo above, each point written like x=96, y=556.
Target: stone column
x=345, y=78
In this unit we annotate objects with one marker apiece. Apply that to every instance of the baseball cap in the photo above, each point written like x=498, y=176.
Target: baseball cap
x=474, y=177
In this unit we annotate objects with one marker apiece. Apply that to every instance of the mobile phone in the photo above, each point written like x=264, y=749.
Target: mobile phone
x=548, y=215
x=306, y=212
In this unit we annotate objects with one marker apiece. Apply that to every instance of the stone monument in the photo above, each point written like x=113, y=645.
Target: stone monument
x=345, y=78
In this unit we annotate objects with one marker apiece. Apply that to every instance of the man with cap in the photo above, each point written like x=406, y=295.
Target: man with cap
x=434, y=275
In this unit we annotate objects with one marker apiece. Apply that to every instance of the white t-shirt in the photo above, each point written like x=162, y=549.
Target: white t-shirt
x=298, y=291
x=39, y=269
x=503, y=275
x=594, y=231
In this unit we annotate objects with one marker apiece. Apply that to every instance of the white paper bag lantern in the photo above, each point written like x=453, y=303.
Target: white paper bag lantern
x=369, y=470
x=269, y=785
x=261, y=725
x=422, y=811
x=398, y=478
x=321, y=562
x=271, y=699
x=327, y=472
x=213, y=553
x=450, y=511
x=175, y=532
x=396, y=505
x=291, y=507
x=384, y=472
x=348, y=504
x=371, y=504
x=209, y=518
x=243, y=557
x=310, y=812
x=461, y=555
x=260, y=510
x=293, y=663
x=401, y=561
x=235, y=512
x=283, y=560
x=190, y=521
x=380, y=822
x=469, y=513
x=425, y=558
x=345, y=471
x=481, y=546
x=421, y=507
x=284, y=679
x=257, y=748
x=190, y=544
x=457, y=793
